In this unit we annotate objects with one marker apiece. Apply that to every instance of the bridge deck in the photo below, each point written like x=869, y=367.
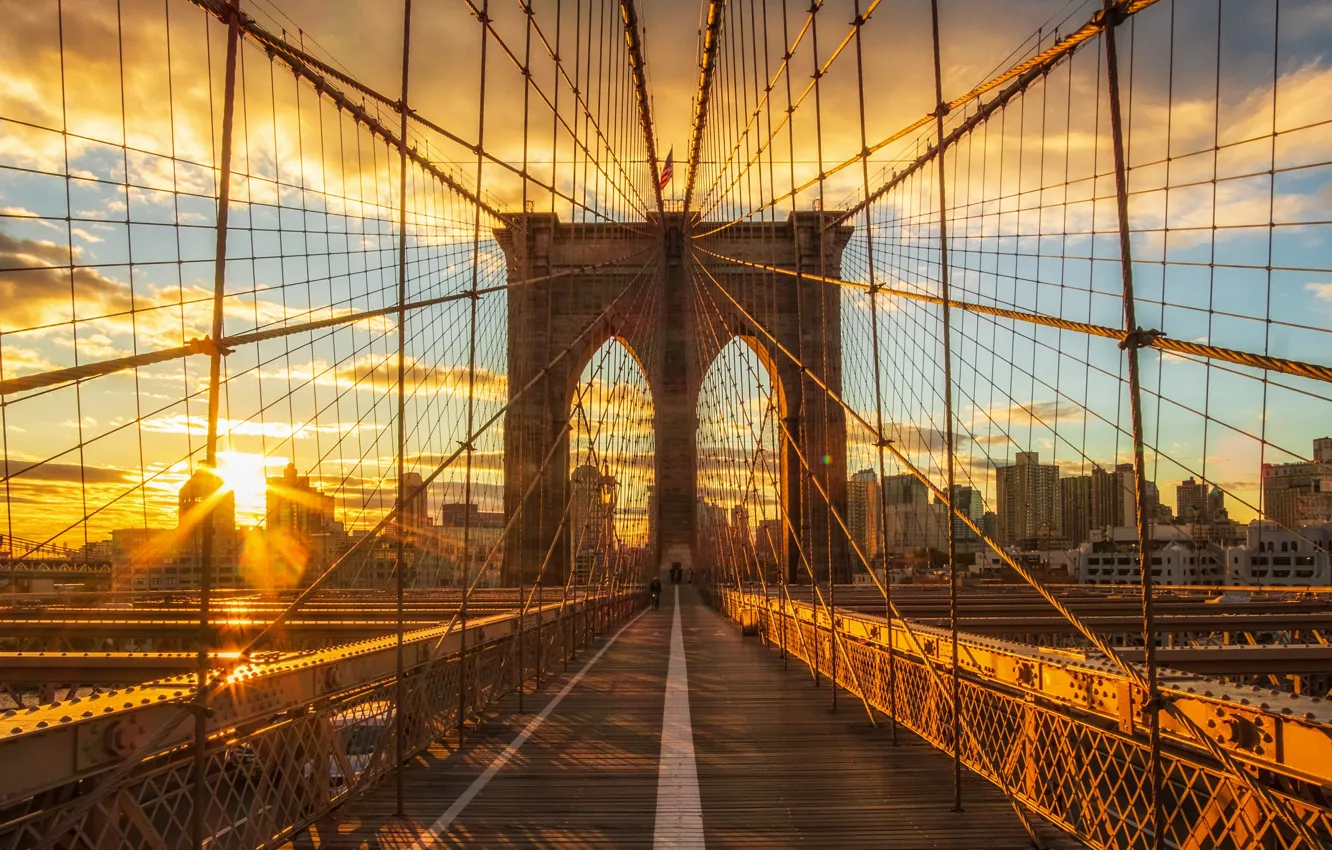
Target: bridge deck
x=775, y=767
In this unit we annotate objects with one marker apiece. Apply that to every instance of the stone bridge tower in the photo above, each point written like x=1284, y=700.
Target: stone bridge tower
x=675, y=346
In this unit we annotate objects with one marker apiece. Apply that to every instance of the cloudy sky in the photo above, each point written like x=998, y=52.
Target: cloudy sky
x=111, y=119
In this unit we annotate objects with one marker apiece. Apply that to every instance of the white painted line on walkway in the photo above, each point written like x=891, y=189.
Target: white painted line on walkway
x=679, y=811
x=436, y=830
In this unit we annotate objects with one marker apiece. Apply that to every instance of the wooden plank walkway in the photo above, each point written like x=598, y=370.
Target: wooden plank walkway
x=775, y=766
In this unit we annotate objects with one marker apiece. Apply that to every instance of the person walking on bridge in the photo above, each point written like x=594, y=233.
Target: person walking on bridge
x=655, y=588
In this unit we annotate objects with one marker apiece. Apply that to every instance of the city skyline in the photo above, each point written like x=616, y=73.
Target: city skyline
x=170, y=283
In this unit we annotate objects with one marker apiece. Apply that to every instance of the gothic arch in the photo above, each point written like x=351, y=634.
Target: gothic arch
x=550, y=316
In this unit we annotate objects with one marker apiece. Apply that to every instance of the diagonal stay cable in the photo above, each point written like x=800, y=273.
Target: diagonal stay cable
x=316, y=73
x=1150, y=339
x=1224, y=756
x=1019, y=75
x=935, y=677
x=822, y=71
x=204, y=345
x=575, y=412
x=489, y=24
x=154, y=742
x=715, y=312
x=783, y=67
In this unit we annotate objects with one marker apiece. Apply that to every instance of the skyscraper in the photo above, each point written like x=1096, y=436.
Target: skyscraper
x=1115, y=498
x=416, y=513
x=862, y=512
x=202, y=497
x=292, y=504
x=591, y=520
x=1075, y=508
x=300, y=531
x=740, y=525
x=1028, y=499
x=1296, y=494
x=904, y=489
x=913, y=521
x=714, y=533
x=769, y=542
x=1191, y=500
x=967, y=502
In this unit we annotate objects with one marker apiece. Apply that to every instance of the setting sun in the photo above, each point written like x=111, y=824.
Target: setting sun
x=245, y=474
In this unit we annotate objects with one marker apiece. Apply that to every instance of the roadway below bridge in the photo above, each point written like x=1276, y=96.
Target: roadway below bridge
x=677, y=732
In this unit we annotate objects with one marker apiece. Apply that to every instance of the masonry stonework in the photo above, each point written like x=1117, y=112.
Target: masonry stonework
x=658, y=317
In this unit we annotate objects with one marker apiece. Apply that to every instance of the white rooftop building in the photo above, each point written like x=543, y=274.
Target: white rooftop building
x=1111, y=557
x=1278, y=555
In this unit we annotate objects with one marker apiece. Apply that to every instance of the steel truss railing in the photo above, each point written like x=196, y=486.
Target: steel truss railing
x=929, y=232
x=285, y=745
x=1057, y=734
x=241, y=751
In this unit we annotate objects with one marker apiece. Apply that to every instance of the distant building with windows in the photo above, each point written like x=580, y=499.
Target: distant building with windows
x=1185, y=554
x=591, y=521
x=1028, y=500
x=904, y=489
x=1194, y=502
x=442, y=546
x=740, y=526
x=146, y=559
x=1111, y=557
x=911, y=520
x=1275, y=555
x=1299, y=494
x=967, y=502
x=301, y=535
x=1075, y=509
x=135, y=554
x=769, y=539
x=415, y=514
x=1114, y=498
x=862, y=513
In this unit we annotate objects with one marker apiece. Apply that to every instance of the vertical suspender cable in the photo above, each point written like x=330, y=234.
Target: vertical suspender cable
x=471, y=387
x=1134, y=338
x=561, y=628
x=949, y=448
x=770, y=285
x=524, y=273
x=823, y=291
x=878, y=381
x=400, y=685
x=801, y=428
x=206, y=542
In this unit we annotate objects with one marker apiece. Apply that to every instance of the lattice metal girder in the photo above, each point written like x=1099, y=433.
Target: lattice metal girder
x=64, y=741
x=1201, y=621
x=226, y=631
x=312, y=610
x=47, y=565
x=1285, y=733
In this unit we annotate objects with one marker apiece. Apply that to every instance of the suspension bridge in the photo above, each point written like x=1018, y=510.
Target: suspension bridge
x=366, y=371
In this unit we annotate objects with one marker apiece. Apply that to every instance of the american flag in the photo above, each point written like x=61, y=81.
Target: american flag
x=667, y=170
